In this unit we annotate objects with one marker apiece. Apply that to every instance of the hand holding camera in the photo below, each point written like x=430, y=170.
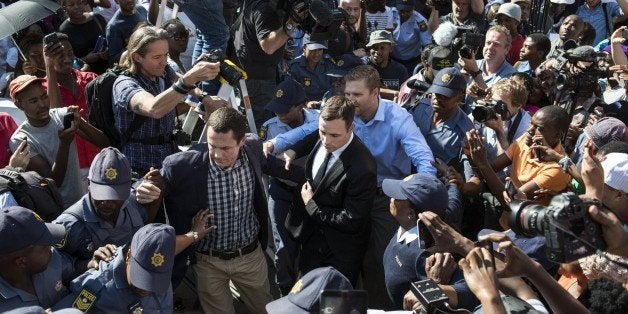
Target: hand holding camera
x=446, y=238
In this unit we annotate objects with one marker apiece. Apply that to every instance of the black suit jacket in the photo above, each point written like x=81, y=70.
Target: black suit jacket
x=342, y=201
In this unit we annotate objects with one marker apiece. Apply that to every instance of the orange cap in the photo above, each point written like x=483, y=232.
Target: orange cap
x=21, y=82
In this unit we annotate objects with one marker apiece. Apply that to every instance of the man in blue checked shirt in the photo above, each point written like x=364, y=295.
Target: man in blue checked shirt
x=395, y=141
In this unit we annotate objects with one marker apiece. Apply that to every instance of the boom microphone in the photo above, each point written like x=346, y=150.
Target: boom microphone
x=445, y=34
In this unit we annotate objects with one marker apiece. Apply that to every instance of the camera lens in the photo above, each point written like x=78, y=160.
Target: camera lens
x=482, y=113
x=465, y=52
x=527, y=218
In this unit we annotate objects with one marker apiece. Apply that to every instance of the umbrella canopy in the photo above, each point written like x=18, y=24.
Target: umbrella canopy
x=23, y=13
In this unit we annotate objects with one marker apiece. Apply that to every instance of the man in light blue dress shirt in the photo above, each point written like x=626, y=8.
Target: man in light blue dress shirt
x=399, y=148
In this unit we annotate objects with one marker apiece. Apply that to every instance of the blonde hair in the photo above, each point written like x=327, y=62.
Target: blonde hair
x=503, y=30
x=139, y=41
x=512, y=88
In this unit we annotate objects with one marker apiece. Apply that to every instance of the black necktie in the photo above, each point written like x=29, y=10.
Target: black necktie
x=321, y=171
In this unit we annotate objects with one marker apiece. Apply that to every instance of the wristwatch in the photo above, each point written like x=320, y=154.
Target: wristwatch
x=194, y=235
x=203, y=95
x=289, y=27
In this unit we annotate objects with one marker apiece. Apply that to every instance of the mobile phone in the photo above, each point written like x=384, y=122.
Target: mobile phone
x=343, y=301
x=488, y=245
x=67, y=120
x=481, y=93
x=510, y=189
x=51, y=38
x=538, y=151
x=426, y=240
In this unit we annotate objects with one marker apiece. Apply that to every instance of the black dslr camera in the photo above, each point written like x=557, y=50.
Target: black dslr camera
x=489, y=110
x=322, y=22
x=565, y=223
x=467, y=41
x=227, y=72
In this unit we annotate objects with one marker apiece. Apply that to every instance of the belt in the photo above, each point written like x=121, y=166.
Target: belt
x=229, y=255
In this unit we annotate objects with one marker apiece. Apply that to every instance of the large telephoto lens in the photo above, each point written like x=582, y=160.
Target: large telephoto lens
x=527, y=218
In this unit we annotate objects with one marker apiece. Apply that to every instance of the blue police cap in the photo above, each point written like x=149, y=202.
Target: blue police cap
x=110, y=176
x=345, y=63
x=448, y=82
x=303, y=298
x=424, y=191
x=21, y=228
x=289, y=93
x=152, y=257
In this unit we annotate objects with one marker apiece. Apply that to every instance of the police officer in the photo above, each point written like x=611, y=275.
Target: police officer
x=309, y=69
x=136, y=280
x=31, y=271
x=440, y=119
x=344, y=63
x=108, y=213
x=288, y=104
x=411, y=34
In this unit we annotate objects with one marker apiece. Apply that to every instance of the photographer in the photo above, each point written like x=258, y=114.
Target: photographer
x=150, y=92
x=259, y=43
x=494, y=67
x=503, y=116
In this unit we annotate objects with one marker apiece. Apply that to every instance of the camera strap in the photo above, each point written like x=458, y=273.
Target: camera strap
x=606, y=20
x=512, y=129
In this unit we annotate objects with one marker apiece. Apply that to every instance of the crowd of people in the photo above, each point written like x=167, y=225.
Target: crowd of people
x=476, y=148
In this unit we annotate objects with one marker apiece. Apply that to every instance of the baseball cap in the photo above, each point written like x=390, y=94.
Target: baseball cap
x=440, y=57
x=110, y=176
x=424, y=191
x=315, y=44
x=289, y=93
x=448, y=82
x=346, y=62
x=152, y=257
x=510, y=9
x=303, y=298
x=21, y=82
x=605, y=130
x=615, y=167
x=378, y=37
x=21, y=227
x=405, y=4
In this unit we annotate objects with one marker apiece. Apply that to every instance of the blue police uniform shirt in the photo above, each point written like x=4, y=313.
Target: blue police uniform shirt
x=316, y=82
x=597, y=19
x=444, y=139
x=113, y=294
x=273, y=126
x=48, y=285
x=404, y=262
x=410, y=36
x=506, y=70
x=391, y=136
x=87, y=232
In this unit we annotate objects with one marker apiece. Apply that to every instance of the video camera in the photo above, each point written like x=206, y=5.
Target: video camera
x=322, y=22
x=569, y=231
x=488, y=110
x=467, y=41
x=585, y=82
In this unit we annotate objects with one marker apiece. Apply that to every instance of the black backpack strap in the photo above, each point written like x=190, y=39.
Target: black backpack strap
x=513, y=127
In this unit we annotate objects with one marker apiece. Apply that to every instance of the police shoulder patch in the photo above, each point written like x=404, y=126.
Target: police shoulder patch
x=84, y=301
x=262, y=133
x=422, y=26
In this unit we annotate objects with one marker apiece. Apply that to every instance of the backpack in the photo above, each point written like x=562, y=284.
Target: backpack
x=33, y=191
x=98, y=94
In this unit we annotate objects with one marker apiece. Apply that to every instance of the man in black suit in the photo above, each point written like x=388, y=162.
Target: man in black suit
x=332, y=224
